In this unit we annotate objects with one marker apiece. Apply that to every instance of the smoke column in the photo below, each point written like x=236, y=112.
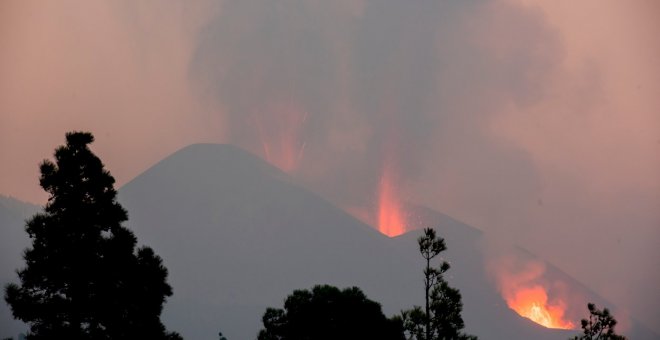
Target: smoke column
x=530, y=120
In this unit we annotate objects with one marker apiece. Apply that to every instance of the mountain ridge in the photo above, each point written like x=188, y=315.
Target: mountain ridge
x=235, y=214
x=238, y=235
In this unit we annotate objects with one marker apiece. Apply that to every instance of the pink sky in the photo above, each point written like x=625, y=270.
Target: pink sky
x=585, y=127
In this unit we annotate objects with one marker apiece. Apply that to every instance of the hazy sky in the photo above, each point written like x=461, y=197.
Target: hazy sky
x=537, y=121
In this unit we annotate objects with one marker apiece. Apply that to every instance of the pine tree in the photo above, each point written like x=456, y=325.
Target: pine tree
x=441, y=316
x=599, y=326
x=84, y=277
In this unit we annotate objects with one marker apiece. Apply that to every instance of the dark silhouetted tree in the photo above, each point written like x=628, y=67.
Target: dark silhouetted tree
x=441, y=316
x=599, y=326
x=328, y=313
x=84, y=277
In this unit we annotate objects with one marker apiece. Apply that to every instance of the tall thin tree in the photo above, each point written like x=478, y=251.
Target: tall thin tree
x=441, y=317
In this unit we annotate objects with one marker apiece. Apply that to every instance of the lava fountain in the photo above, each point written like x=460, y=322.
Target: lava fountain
x=391, y=216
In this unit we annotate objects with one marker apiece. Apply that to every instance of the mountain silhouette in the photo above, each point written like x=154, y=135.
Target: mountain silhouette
x=238, y=235
x=13, y=239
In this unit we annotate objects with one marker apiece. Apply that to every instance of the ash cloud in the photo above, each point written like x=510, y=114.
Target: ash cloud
x=410, y=87
x=480, y=106
x=526, y=119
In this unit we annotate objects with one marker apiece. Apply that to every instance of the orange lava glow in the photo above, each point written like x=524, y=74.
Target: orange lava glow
x=391, y=217
x=530, y=293
x=280, y=135
x=532, y=303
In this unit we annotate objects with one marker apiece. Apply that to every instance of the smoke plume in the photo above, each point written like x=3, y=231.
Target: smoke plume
x=530, y=120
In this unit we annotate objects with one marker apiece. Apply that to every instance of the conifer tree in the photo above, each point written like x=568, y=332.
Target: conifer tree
x=441, y=316
x=599, y=326
x=84, y=277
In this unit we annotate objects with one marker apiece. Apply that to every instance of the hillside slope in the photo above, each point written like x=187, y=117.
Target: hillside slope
x=238, y=236
x=13, y=240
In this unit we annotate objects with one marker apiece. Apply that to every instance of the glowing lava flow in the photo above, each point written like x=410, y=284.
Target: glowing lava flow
x=532, y=303
x=391, y=219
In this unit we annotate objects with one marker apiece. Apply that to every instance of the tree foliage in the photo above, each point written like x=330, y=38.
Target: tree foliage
x=599, y=326
x=326, y=312
x=84, y=277
x=441, y=316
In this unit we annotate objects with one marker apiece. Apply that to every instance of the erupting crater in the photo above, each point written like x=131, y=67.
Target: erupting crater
x=528, y=292
x=532, y=303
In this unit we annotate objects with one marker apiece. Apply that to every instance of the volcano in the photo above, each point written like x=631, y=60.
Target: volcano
x=238, y=235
